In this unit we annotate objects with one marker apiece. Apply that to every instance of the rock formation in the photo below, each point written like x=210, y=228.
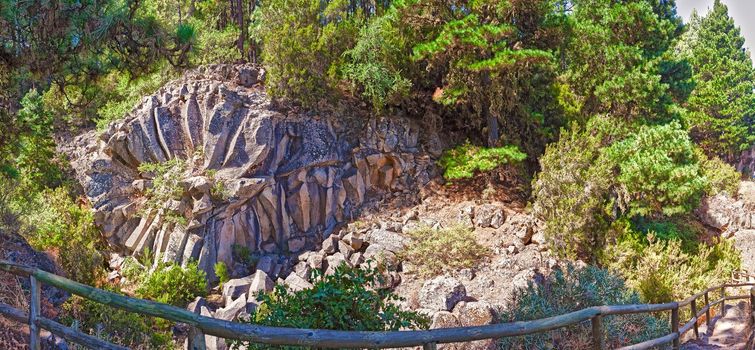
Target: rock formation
x=288, y=178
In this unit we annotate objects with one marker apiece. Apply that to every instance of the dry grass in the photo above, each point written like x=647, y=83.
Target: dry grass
x=437, y=251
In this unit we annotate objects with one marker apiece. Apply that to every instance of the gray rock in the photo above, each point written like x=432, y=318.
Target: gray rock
x=232, y=309
x=387, y=240
x=489, y=215
x=234, y=288
x=296, y=283
x=441, y=293
x=261, y=282
x=196, y=305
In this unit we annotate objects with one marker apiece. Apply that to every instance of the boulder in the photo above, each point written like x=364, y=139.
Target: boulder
x=295, y=283
x=261, y=282
x=234, y=288
x=232, y=309
x=441, y=293
x=489, y=215
x=387, y=240
x=519, y=225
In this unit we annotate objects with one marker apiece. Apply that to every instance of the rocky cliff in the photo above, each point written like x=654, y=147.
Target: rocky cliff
x=286, y=179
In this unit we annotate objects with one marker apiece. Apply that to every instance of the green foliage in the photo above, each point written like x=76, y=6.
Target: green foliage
x=591, y=178
x=166, y=186
x=436, y=251
x=175, y=285
x=349, y=299
x=465, y=160
x=572, y=191
x=376, y=61
x=221, y=270
x=574, y=289
x=722, y=177
x=115, y=325
x=659, y=170
x=616, y=62
x=304, y=45
x=495, y=63
x=662, y=270
x=54, y=222
x=722, y=104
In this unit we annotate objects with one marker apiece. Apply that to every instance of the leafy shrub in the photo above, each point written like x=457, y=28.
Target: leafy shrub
x=56, y=223
x=172, y=284
x=434, y=251
x=304, y=41
x=571, y=192
x=166, y=186
x=115, y=325
x=375, y=62
x=593, y=177
x=722, y=177
x=221, y=270
x=574, y=289
x=463, y=161
x=349, y=299
x=658, y=168
x=663, y=270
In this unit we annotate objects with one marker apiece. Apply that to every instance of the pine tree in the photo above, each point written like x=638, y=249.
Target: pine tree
x=617, y=61
x=722, y=104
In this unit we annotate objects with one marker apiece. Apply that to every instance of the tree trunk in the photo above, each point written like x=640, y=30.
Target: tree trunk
x=490, y=118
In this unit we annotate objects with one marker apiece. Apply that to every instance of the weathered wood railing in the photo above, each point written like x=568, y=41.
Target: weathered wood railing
x=350, y=339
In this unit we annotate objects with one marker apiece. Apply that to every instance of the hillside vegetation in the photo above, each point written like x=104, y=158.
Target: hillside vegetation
x=616, y=117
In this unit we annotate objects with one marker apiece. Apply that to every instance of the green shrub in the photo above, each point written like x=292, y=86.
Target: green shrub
x=304, y=42
x=463, y=161
x=115, y=325
x=172, y=284
x=574, y=289
x=571, y=192
x=376, y=61
x=166, y=186
x=667, y=269
x=435, y=251
x=349, y=299
x=659, y=170
x=221, y=270
x=56, y=223
x=722, y=177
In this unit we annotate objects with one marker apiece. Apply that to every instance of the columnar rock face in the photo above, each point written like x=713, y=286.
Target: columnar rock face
x=287, y=178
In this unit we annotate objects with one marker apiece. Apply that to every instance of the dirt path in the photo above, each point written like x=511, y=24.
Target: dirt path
x=728, y=332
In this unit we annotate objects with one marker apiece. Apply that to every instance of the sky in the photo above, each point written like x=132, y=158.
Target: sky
x=741, y=10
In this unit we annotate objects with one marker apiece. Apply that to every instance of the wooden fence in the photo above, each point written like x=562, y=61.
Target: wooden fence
x=319, y=338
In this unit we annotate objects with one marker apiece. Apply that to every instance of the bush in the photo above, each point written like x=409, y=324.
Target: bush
x=349, y=299
x=56, y=223
x=221, y=270
x=434, y=251
x=722, y=177
x=304, y=41
x=662, y=270
x=115, y=325
x=171, y=284
x=571, y=192
x=463, y=161
x=166, y=187
x=574, y=289
x=375, y=63
x=659, y=170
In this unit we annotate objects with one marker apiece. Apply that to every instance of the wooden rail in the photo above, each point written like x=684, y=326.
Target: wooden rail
x=428, y=339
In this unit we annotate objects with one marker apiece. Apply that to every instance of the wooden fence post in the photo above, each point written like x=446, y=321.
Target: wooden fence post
x=34, y=312
x=707, y=311
x=598, y=341
x=430, y=346
x=693, y=305
x=196, y=339
x=723, y=301
x=675, y=325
